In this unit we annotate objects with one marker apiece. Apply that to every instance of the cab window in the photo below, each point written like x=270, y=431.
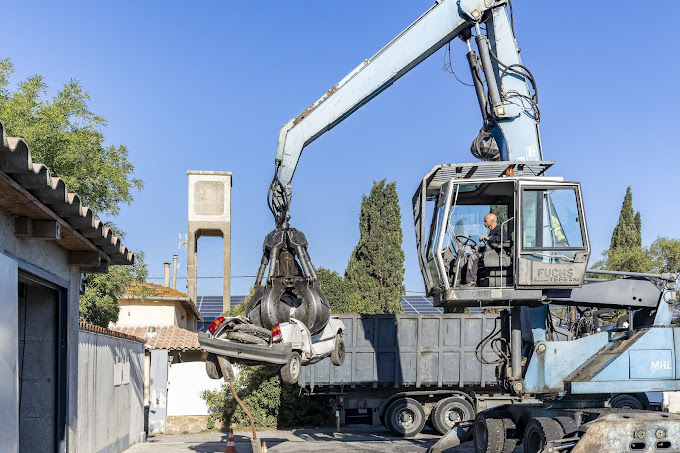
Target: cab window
x=550, y=219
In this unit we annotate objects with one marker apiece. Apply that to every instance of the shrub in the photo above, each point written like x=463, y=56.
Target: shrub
x=270, y=402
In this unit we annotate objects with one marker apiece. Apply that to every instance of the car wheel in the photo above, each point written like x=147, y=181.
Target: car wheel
x=212, y=367
x=338, y=354
x=450, y=411
x=290, y=372
x=405, y=417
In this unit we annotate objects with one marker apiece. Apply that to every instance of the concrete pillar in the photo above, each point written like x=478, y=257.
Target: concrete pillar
x=166, y=274
x=209, y=215
x=174, y=272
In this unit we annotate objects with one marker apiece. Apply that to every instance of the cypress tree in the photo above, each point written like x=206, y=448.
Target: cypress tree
x=627, y=233
x=376, y=266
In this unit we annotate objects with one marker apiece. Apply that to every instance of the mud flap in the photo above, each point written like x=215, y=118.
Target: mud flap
x=226, y=368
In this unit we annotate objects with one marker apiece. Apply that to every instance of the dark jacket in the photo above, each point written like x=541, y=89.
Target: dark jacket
x=495, y=236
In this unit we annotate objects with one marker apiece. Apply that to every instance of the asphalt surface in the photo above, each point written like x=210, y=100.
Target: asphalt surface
x=365, y=439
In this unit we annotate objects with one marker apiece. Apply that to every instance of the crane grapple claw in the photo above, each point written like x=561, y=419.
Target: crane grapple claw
x=292, y=287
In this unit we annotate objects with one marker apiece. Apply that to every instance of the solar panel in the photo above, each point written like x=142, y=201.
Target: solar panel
x=210, y=307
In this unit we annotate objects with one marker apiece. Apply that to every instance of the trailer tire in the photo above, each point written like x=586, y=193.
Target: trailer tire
x=290, y=372
x=405, y=417
x=449, y=411
x=539, y=431
x=246, y=338
x=626, y=402
x=338, y=354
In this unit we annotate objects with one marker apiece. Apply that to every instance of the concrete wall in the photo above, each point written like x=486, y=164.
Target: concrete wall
x=186, y=381
x=47, y=260
x=153, y=313
x=672, y=399
x=111, y=406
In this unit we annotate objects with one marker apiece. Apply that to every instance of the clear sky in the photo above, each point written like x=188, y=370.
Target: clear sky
x=206, y=85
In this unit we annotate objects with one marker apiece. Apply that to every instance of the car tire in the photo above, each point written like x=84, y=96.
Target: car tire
x=212, y=368
x=405, y=417
x=626, y=402
x=252, y=329
x=246, y=338
x=338, y=354
x=449, y=411
x=290, y=372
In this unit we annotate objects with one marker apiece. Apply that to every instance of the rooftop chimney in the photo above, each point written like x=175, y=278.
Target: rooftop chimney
x=166, y=275
x=174, y=271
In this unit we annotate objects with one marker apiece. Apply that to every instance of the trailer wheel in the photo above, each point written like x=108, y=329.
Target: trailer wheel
x=290, y=372
x=405, y=417
x=450, y=411
x=338, y=354
x=539, y=431
x=626, y=402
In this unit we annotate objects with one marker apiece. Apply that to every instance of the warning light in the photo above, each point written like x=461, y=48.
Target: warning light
x=509, y=171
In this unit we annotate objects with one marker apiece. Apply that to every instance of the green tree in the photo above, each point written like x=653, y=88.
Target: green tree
x=342, y=294
x=64, y=134
x=376, y=265
x=628, y=232
x=99, y=305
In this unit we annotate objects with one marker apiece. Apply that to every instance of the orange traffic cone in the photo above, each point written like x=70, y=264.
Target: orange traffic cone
x=231, y=447
x=264, y=447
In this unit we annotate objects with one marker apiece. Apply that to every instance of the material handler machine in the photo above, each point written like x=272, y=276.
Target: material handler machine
x=541, y=259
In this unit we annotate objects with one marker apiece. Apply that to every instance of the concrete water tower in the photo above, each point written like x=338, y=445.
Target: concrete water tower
x=209, y=215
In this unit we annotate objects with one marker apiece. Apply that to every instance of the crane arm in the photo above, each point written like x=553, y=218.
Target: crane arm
x=444, y=21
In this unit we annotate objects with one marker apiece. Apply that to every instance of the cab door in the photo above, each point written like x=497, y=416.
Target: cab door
x=552, y=233
x=437, y=239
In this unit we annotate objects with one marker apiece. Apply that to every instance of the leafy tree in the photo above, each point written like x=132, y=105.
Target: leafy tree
x=64, y=134
x=342, y=294
x=99, y=305
x=628, y=232
x=376, y=265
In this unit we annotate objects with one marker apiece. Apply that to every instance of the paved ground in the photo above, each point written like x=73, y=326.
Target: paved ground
x=373, y=439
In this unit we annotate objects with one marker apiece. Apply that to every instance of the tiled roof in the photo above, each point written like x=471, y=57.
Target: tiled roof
x=153, y=290
x=145, y=290
x=40, y=196
x=86, y=327
x=164, y=337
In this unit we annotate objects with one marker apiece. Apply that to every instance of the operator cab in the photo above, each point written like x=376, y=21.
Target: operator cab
x=544, y=239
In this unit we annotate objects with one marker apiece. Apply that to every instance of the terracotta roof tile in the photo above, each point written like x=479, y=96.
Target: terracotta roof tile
x=152, y=290
x=111, y=332
x=163, y=337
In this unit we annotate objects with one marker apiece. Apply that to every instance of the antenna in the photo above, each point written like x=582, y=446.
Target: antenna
x=184, y=242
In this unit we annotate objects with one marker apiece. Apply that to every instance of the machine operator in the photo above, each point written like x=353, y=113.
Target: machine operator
x=493, y=240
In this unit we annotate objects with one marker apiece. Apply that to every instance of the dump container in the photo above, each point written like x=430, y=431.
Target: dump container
x=415, y=351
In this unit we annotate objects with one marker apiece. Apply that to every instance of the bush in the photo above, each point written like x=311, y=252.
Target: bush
x=272, y=403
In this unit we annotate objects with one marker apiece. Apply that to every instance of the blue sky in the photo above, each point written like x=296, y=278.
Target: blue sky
x=207, y=85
